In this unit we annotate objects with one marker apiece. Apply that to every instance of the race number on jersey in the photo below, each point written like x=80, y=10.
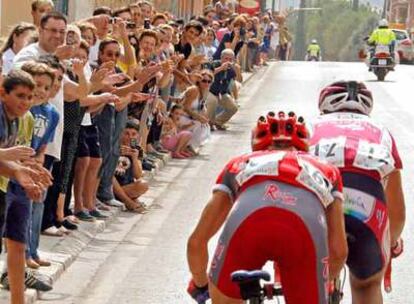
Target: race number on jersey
x=331, y=149
x=373, y=156
x=314, y=180
x=263, y=165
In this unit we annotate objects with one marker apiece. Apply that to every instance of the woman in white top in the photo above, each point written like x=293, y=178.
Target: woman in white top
x=194, y=107
x=18, y=38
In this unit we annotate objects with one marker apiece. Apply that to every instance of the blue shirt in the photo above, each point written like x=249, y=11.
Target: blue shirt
x=46, y=120
x=8, y=129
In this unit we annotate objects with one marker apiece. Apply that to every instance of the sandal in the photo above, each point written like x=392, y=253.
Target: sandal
x=178, y=155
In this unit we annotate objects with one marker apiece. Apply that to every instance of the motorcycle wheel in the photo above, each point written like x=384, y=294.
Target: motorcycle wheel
x=381, y=74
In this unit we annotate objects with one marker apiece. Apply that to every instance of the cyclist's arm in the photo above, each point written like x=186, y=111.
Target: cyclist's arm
x=338, y=248
x=396, y=205
x=212, y=218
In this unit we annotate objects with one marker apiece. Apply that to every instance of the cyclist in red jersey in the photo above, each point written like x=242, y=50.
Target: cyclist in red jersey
x=279, y=204
x=367, y=156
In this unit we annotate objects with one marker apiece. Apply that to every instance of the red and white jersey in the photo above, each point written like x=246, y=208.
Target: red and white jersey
x=292, y=167
x=355, y=143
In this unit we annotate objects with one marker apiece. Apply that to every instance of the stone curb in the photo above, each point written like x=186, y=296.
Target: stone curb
x=65, y=252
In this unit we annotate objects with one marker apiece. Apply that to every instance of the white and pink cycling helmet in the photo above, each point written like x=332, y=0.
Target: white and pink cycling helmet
x=346, y=95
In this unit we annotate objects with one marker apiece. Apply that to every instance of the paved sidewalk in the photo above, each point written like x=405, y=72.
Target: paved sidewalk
x=62, y=252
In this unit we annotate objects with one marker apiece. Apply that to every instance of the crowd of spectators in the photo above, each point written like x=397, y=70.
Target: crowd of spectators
x=87, y=107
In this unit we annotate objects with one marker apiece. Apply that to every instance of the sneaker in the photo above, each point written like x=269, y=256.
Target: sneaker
x=52, y=231
x=96, y=214
x=68, y=225
x=114, y=203
x=32, y=282
x=147, y=166
x=160, y=149
x=84, y=216
x=63, y=230
x=156, y=155
x=151, y=158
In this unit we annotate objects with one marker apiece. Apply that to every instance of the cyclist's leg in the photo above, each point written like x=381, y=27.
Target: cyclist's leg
x=368, y=243
x=367, y=290
x=239, y=247
x=365, y=261
x=217, y=297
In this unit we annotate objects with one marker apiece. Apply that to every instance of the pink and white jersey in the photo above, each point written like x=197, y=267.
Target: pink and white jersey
x=355, y=143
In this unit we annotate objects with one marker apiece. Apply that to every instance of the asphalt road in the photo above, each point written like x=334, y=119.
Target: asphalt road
x=144, y=262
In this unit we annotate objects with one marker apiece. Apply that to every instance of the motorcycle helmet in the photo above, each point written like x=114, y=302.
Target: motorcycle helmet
x=280, y=128
x=383, y=23
x=314, y=41
x=346, y=95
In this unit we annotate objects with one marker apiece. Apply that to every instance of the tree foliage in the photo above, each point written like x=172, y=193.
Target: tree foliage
x=338, y=27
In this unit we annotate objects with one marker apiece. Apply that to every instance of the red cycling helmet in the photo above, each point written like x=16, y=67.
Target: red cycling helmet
x=281, y=128
x=346, y=95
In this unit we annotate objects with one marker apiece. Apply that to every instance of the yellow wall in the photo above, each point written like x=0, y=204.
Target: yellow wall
x=14, y=11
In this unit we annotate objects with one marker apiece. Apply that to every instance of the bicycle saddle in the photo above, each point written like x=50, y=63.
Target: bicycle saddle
x=244, y=276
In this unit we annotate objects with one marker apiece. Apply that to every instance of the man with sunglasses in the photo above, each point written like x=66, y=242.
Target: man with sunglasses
x=112, y=119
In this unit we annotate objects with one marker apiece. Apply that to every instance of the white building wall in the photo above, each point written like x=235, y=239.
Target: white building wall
x=80, y=9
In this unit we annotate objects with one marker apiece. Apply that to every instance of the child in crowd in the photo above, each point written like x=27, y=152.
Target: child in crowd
x=46, y=119
x=16, y=95
x=174, y=136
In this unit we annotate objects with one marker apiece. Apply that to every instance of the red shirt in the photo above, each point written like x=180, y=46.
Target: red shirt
x=292, y=167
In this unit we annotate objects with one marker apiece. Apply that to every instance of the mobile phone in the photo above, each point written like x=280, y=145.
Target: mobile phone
x=147, y=24
x=133, y=143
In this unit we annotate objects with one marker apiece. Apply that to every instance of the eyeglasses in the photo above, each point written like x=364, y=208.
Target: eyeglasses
x=55, y=31
x=206, y=81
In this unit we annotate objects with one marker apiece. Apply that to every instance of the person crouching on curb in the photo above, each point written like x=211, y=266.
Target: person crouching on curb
x=128, y=184
x=220, y=91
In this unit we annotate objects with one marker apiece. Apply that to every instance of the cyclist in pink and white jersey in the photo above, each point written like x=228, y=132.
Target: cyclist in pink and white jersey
x=370, y=165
